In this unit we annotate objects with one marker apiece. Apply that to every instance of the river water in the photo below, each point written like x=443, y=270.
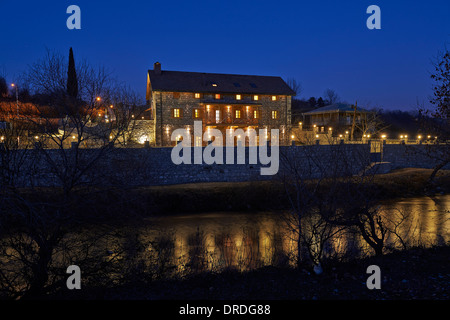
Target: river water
x=246, y=240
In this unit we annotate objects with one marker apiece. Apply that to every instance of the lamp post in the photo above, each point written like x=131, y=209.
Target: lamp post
x=17, y=97
x=97, y=104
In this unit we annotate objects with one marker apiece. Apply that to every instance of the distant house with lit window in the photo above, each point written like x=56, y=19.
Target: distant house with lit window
x=335, y=120
x=221, y=101
x=338, y=116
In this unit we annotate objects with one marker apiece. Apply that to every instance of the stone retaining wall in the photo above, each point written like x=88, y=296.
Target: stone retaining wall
x=153, y=166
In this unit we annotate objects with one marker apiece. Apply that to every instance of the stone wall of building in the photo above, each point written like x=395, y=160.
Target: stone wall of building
x=163, y=103
x=143, y=130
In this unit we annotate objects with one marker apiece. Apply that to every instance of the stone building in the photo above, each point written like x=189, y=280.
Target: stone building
x=219, y=101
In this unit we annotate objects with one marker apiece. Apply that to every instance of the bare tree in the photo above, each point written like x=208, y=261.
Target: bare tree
x=437, y=120
x=441, y=101
x=295, y=86
x=66, y=145
x=441, y=87
x=371, y=124
x=331, y=96
x=330, y=193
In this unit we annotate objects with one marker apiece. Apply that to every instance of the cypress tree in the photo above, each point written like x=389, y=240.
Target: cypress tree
x=72, y=83
x=3, y=87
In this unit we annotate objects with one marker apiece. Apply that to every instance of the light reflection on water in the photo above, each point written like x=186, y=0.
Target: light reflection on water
x=249, y=240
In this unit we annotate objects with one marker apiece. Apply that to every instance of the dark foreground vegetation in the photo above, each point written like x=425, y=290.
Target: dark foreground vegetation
x=98, y=230
x=416, y=273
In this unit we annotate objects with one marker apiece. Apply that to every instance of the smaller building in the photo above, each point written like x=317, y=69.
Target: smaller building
x=338, y=115
x=341, y=120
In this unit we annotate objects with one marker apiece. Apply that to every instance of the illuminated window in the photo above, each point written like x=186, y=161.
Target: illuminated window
x=197, y=95
x=176, y=113
x=217, y=116
x=256, y=98
x=238, y=114
x=255, y=114
x=274, y=114
x=238, y=97
x=196, y=113
x=274, y=98
x=217, y=96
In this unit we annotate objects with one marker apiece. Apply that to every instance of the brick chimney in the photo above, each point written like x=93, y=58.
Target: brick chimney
x=157, y=68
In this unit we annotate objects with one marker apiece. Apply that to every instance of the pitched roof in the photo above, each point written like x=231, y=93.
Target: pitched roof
x=337, y=107
x=178, y=81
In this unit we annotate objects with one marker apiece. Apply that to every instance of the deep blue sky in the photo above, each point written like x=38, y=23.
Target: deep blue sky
x=323, y=44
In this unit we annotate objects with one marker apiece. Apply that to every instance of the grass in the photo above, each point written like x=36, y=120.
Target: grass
x=249, y=196
x=270, y=195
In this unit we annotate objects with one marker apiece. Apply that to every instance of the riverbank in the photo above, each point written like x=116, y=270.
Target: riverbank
x=416, y=273
x=271, y=195
x=253, y=196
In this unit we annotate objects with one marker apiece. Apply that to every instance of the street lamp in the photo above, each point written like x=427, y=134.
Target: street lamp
x=17, y=97
x=98, y=99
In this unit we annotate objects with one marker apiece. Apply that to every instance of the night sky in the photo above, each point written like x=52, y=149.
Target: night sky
x=322, y=44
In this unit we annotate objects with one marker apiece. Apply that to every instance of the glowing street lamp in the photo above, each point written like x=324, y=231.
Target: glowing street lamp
x=17, y=97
